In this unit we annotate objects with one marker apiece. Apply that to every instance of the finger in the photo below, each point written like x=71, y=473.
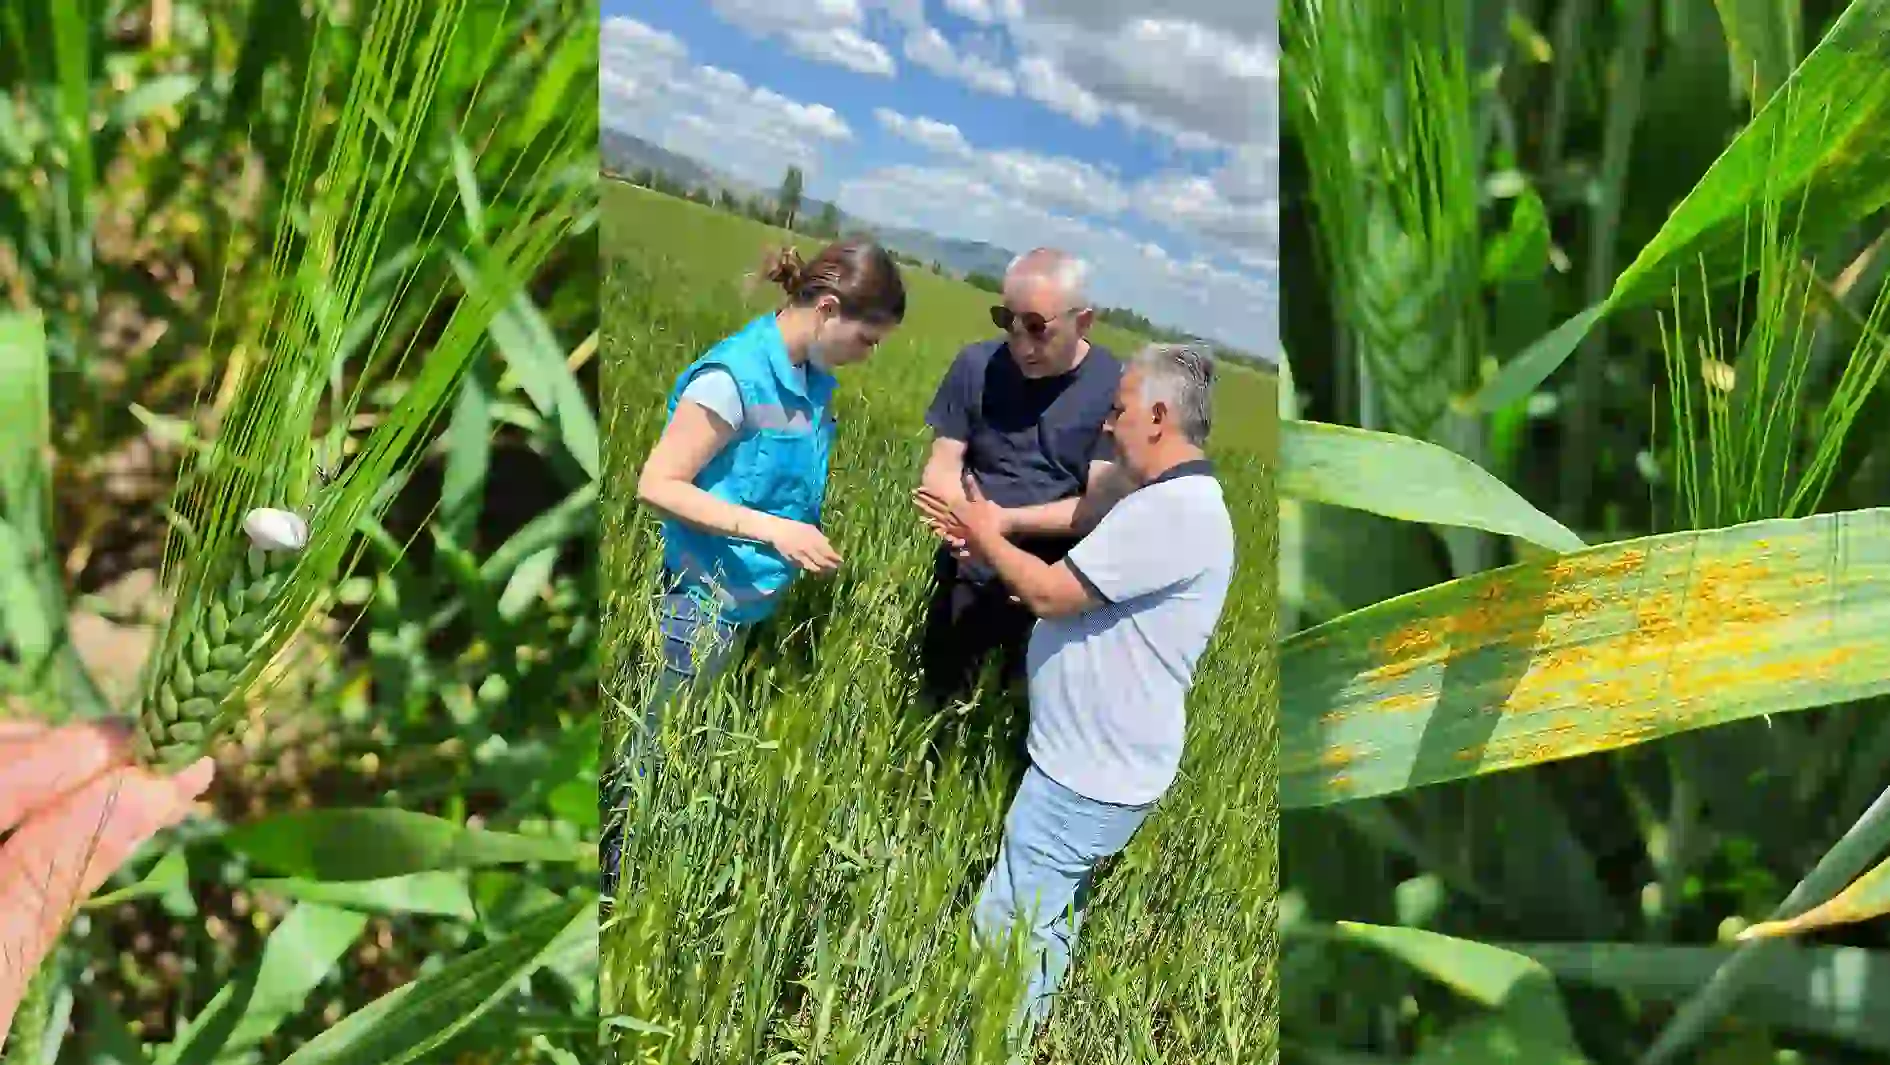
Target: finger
x=45, y=767
x=935, y=508
x=13, y=730
x=67, y=850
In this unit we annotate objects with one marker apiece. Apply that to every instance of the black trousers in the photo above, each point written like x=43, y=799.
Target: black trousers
x=967, y=623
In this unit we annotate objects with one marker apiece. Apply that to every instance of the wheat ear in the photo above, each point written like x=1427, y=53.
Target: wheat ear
x=191, y=705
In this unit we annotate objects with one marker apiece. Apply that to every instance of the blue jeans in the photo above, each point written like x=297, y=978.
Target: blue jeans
x=1053, y=840
x=697, y=646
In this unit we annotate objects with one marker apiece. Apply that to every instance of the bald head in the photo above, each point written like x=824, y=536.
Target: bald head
x=1056, y=268
x=1046, y=311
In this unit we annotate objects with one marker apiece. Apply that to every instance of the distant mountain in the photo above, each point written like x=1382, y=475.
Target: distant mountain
x=958, y=256
x=623, y=153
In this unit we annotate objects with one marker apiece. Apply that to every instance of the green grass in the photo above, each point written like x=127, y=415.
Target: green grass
x=798, y=883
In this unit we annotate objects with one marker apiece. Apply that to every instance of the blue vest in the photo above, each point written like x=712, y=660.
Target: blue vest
x=776, y=464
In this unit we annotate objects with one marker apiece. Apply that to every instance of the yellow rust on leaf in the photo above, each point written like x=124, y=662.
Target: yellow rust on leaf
x=1405, y=702
x=1609, y=564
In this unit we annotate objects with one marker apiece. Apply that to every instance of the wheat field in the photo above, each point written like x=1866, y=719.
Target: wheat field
x=796, y=888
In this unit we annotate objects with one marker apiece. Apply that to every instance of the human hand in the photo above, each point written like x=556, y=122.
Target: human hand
x=803, y=545
x=935, y=509
x=970, y=523
x=77, y=808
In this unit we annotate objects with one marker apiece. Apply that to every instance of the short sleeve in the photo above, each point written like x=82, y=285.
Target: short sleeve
x=715, y=390
x=950, y=412
x=1132, y=551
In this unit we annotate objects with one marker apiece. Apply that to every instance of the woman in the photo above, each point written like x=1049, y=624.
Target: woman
x=740, y=472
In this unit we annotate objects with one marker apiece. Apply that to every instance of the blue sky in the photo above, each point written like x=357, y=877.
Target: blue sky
x=1146, y=144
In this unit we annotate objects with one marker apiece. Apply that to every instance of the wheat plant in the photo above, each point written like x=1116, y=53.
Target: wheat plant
x=434, y=168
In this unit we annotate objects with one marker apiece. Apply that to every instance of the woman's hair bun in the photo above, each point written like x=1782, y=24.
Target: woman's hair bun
x=784, y=267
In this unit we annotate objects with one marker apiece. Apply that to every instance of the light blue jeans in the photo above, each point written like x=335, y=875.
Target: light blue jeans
x=697, y=645
x=1053, y=840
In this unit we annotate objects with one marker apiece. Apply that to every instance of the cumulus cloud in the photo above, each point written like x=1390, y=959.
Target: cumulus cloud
x=1194, y=82
x=652, y=89
x=931, y=134
x=1192, y=203
x=1234, y=307
x=1203, y=75
x=1045, y=82
x=826, y=31
x=1232, y=208
x=928, y=48
x=843, y=47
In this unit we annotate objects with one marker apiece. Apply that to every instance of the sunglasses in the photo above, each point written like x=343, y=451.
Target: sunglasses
x=1035, y=324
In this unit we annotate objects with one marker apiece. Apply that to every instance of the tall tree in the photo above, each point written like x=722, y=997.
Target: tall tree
x=790, y=198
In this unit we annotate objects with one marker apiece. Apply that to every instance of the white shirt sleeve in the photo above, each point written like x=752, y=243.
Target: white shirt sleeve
x=715, y=389
x=1138, y=548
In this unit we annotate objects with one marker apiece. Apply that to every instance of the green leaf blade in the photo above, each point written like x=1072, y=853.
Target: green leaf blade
x=419, y=1017
x=1400, y=477
x=377, y=844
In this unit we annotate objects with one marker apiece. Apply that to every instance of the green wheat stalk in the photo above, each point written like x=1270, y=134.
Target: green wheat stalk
x=240, y=601
x=1744, y=448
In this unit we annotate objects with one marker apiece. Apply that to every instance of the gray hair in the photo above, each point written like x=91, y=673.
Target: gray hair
x=1068, y=272
x=1182, y=376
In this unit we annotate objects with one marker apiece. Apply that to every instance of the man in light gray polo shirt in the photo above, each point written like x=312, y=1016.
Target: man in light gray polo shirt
x=1122, y=621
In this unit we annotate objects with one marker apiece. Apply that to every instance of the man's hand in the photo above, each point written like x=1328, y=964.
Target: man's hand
x=968, y=523
x=77, y=809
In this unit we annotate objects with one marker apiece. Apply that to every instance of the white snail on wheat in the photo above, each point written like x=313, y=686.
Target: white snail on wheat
x=276, y=530
x=178, y=724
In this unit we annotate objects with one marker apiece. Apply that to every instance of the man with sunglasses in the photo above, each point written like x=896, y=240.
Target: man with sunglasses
x=1023, y=415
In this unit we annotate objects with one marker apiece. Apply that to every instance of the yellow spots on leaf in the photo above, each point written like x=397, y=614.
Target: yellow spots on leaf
x=1614, y=564
x=1406, y=702
x=1409, y=641
x=1338, y=757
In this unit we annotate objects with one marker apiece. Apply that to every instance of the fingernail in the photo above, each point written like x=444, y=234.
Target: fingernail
x=193, y=782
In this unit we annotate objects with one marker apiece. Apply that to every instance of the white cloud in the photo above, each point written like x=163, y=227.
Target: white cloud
x=1048, y=182
x=1193, y=203
x=764, y=18
x=928, y=48
x=650, y=88
x=627, y=48
x=1045, y=82
x=826, y=31
x=843, y=47
x=1192, y=81
x=1055, y=182
x=931, y=134
x=1203, y=76
x=1188, y=292
x=1230, y=208
x=982, y=11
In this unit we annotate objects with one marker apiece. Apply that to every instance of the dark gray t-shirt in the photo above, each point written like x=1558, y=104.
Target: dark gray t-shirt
x=1027, y=441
